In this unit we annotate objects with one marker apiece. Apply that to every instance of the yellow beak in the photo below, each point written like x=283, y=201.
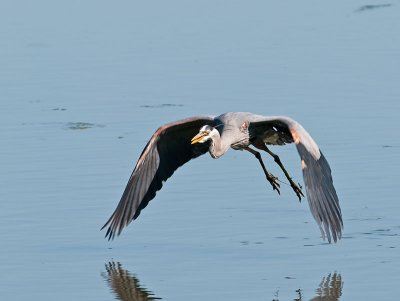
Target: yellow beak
x=197, y=138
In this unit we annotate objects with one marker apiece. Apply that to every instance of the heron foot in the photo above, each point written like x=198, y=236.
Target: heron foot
x=274, y=182
x=297, y=190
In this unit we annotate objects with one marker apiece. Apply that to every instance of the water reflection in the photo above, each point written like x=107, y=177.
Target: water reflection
x=125, y=286
x=330, y=288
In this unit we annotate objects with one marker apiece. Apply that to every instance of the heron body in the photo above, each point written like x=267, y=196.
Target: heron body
x=176, y=143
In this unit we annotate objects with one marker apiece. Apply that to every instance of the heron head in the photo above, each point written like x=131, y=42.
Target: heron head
x=204, y=134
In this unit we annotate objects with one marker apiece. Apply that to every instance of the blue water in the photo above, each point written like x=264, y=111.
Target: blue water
x=83, y=85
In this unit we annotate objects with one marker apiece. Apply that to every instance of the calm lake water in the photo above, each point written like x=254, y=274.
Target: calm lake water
x=83, y=85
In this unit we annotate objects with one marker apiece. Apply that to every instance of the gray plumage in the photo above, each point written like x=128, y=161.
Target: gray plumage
x=176, y=143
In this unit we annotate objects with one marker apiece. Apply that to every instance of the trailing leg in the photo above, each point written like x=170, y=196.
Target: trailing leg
x=294, y=186
x=271, y=178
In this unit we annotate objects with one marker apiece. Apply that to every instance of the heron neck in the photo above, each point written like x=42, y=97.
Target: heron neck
x=217, y=146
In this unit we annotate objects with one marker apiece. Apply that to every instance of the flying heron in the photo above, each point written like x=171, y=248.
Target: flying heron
x=176, y=143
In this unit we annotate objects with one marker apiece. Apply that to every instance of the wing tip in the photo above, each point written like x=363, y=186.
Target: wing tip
x=322, y=196
x=111, y=232
x=332, y=238
x=331, y=232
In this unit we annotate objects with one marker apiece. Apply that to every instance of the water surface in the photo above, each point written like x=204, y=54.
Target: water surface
x=84, y=85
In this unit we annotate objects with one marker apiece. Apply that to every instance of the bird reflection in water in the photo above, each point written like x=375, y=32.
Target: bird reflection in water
x=330, y=288
x=125, y=286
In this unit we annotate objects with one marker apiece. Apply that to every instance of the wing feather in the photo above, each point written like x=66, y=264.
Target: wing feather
x=321, y=194
x=169, y=148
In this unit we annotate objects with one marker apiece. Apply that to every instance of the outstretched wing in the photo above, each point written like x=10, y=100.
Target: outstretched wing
x=321, y=194
x=169, y=148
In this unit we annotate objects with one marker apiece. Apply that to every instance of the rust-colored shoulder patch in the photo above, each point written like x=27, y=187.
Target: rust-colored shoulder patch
x=295, y=135
x=244, y=126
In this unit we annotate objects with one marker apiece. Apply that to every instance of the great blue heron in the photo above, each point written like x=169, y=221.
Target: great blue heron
x=174, y=144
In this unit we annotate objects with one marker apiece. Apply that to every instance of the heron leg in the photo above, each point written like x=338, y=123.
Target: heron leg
x=294, y=186
x=270, y=177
